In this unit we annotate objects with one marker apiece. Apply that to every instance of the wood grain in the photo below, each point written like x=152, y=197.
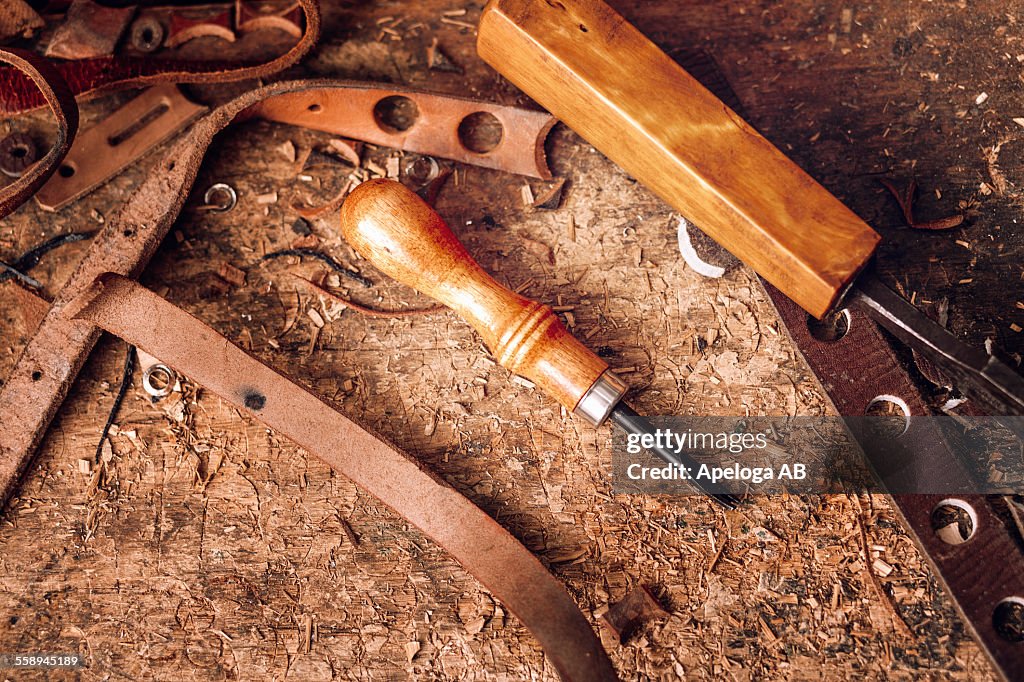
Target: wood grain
x=404, y=238
x=608, y=82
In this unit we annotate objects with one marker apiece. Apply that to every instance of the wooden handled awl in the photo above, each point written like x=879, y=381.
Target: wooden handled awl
x=405, y=239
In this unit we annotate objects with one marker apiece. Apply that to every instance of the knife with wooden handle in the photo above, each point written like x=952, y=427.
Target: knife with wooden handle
x=604, y=79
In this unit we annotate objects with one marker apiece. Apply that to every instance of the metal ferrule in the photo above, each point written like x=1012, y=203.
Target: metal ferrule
x=599, y=400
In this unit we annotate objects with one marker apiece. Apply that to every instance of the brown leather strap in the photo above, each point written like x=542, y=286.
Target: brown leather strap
x=977, y=574
x=93, y=76
x=480, y=544
x=44, y=81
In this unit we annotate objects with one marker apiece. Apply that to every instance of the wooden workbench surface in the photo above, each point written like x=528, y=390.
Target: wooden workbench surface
x=208, y=548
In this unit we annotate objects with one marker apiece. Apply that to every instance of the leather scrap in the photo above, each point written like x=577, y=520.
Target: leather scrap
x=185, y=27
x=253, y=16
x=485, y=549
x=19, y=20
x=635, y=609
x=344, y=108
x=105, y=149
x=87, y=77
x=89, y=30
x=51, y=88
x=906, y=198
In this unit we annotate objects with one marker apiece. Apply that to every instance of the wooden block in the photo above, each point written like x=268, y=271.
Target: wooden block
x=596, y=72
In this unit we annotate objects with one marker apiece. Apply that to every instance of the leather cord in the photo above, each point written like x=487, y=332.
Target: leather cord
x=485, y=549
x=42, y=79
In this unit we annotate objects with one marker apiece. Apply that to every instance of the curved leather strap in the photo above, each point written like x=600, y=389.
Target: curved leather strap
x=52, y=359
x=93, y=76
x=51, y=89
x=478, y=542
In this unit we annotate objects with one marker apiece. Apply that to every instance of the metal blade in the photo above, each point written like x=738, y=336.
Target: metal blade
x=980, y=375
x=626, y=418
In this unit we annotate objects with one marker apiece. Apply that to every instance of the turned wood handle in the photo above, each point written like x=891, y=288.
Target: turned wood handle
x=596, y=72
x=405, y=239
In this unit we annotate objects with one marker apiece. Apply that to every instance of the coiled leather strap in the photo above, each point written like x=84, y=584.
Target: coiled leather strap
x=93, y=76
x=48, y=85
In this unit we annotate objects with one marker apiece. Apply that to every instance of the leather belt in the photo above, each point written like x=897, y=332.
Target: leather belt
x=480, y=544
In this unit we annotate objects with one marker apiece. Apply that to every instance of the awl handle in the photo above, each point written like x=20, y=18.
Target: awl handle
x=596, y=72
x=405, y=239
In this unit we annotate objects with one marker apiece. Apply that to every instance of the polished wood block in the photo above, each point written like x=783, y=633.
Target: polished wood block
x=596, y=72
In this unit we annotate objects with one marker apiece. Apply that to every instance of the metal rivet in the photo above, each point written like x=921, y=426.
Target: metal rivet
x=147, y=34
x=17, y=152
x=165, y=376
x=223, y=189
x=422, y=171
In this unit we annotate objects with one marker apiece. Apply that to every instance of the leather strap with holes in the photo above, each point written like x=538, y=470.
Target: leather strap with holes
x=980, y=574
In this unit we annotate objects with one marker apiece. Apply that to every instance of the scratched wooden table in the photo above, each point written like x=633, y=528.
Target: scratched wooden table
x=209, y=548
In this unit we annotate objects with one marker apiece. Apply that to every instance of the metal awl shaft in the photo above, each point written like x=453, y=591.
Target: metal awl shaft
x=626, y=418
